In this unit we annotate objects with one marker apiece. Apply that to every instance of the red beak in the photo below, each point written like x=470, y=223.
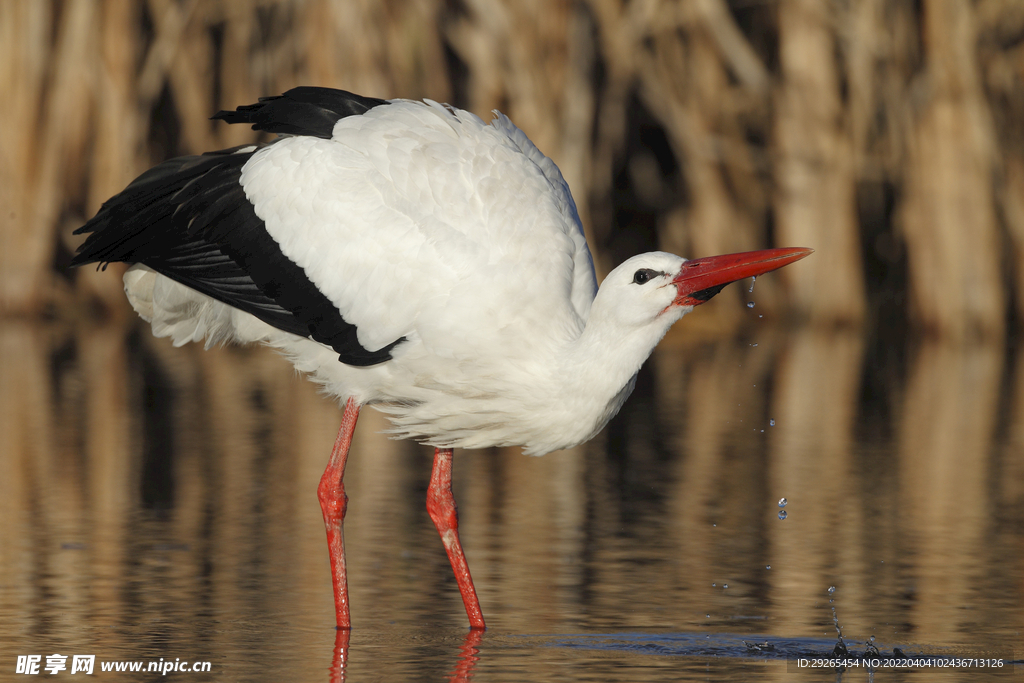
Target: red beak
x=700, y=279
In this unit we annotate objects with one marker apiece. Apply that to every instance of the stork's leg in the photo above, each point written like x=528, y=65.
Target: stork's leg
x=333, y=503
x=441, y=508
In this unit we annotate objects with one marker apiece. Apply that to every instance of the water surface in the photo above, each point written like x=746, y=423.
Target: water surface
x=160, y=503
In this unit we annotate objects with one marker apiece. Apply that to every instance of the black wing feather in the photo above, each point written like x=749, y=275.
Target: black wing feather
x=305, y=110
x=189, y=219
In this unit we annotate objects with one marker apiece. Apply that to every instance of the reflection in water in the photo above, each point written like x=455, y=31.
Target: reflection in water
x=468, y=657
x=946, y=442
x=812, y=459
x=340, y=659
x=160, y=502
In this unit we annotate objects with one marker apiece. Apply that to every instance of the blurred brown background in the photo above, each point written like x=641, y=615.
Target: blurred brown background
x=886, y=134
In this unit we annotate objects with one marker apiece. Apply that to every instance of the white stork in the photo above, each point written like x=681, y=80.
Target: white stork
x=409, y=256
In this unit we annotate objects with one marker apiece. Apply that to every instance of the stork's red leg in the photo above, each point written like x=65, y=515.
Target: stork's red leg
x=333, y=503
x=441, y=508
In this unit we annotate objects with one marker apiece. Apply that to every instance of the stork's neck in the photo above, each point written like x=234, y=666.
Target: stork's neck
x=599, y=367
x=607, y=353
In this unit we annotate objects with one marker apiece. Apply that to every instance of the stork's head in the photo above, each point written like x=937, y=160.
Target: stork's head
x=635, y=306
x=658, y=288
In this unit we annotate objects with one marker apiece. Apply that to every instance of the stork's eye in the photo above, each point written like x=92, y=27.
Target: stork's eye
x=644, y=275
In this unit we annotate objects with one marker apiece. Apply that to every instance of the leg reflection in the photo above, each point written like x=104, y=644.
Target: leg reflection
x=469, y=653
x=340, y=658
x=468, y=657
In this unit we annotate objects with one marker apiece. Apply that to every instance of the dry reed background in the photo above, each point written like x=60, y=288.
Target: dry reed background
x=884, y=133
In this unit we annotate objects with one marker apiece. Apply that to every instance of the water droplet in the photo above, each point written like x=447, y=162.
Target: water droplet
x=750, y=304
x=708, y=616
x=771, y=423
x=783, y=502
x=782, y=514
x=714, y=584
x=762, y=431
x=725, y=585
x=754, y=345
x=752, y=278
x=835, y=620
x=767, y=566
x=714, y=525
x=759, y=315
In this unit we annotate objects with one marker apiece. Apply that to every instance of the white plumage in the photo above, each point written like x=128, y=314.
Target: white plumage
x=460, y=236
x=437, y=263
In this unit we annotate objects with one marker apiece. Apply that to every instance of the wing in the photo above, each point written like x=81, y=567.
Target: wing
x=365, y=226
x=189, y=219
x=447, y=228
